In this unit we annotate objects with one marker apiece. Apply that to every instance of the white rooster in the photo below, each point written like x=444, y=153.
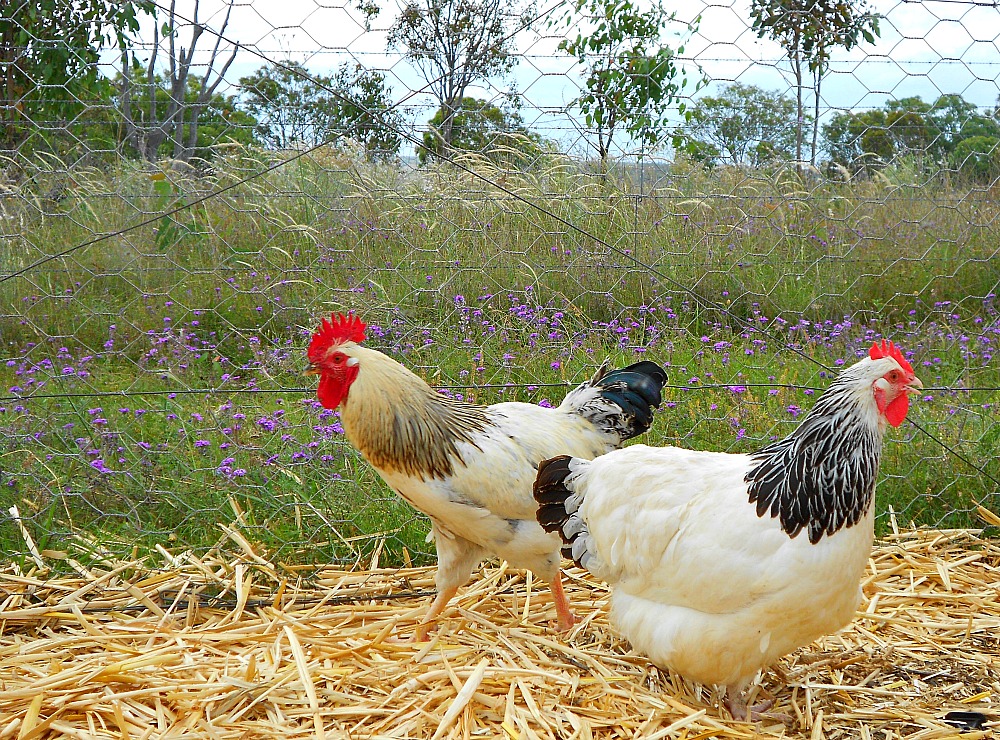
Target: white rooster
x=722, y=563
x=468, y=467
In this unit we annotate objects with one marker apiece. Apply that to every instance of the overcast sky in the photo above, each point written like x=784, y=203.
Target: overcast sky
x=926, y=48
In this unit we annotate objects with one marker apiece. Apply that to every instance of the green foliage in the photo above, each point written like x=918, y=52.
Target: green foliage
x=47, y=44
x=743, y=125
x=860, y=141
x=977, y=158
x=221, y=123
x=290, y=105
x=499, y=134
x=868, y=140
x=631, y=80
x=297, y=108
x=175, y=228
x=808, y=29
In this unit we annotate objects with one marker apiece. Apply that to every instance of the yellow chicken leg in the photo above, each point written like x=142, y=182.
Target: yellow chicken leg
x=437, y=606
x=565, y=615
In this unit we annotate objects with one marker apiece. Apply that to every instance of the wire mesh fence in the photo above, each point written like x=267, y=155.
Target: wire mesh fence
x=185, y=196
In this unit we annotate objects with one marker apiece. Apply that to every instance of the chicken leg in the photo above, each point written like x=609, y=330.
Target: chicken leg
x=437, y=606
x=564, y=614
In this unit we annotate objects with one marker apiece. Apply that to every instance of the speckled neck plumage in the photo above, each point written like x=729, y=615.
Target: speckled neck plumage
x=820, y=478
x=400, y=424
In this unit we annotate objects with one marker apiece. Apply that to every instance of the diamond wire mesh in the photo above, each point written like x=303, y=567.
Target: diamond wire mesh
x=154, y=311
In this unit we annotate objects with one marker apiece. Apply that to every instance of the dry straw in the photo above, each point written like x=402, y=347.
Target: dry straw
x=216, y=647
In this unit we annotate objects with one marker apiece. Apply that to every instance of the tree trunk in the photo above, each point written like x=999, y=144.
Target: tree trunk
x=191, y=144
x=147, y=137
x=817, y=80
x=9, y=135
x=799, y=112
x=448, y=122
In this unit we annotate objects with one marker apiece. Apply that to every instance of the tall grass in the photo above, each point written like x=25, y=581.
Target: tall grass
x=155, y=373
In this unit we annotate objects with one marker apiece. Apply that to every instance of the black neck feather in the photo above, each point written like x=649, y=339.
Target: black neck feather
x=821, y=478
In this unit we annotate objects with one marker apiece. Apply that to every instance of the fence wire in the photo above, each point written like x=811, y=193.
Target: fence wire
x=160, y=279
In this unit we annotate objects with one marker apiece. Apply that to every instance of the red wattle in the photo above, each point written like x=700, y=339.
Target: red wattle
x=331, y=391
x=895, y=412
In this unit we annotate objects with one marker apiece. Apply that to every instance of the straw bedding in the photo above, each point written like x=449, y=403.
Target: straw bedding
x=239, y=647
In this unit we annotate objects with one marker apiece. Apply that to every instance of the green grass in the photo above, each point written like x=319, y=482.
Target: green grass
x=753, y=285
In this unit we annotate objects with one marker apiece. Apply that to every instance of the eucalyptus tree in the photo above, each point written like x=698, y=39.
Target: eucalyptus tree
x=630, y=78
x=808, y=31
x=456, y=43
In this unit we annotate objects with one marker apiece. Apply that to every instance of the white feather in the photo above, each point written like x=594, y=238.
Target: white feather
x=489, y=505
x=703, y=585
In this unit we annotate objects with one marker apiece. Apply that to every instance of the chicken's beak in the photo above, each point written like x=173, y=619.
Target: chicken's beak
x=914, y=385
x=311, y=371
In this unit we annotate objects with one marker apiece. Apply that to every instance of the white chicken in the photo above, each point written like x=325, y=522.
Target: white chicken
x=722, y=563
x=470, y=468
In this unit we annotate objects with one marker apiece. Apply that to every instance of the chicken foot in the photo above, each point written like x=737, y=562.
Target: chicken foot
x=736, y=703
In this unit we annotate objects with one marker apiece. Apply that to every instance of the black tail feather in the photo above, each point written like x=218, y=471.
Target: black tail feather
x=633, y=404
x=644, y=367
x=549, y=490
x=638, y=390
x=551, y=494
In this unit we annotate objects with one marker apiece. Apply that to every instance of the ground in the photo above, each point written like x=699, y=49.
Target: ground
x=238, y=647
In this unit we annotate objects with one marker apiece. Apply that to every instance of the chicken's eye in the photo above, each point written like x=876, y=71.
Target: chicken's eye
x=338, y=358
x=894, y=376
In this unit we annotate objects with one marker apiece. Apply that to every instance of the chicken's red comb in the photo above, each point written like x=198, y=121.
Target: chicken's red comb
x=337, y=330
x=888, y=349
